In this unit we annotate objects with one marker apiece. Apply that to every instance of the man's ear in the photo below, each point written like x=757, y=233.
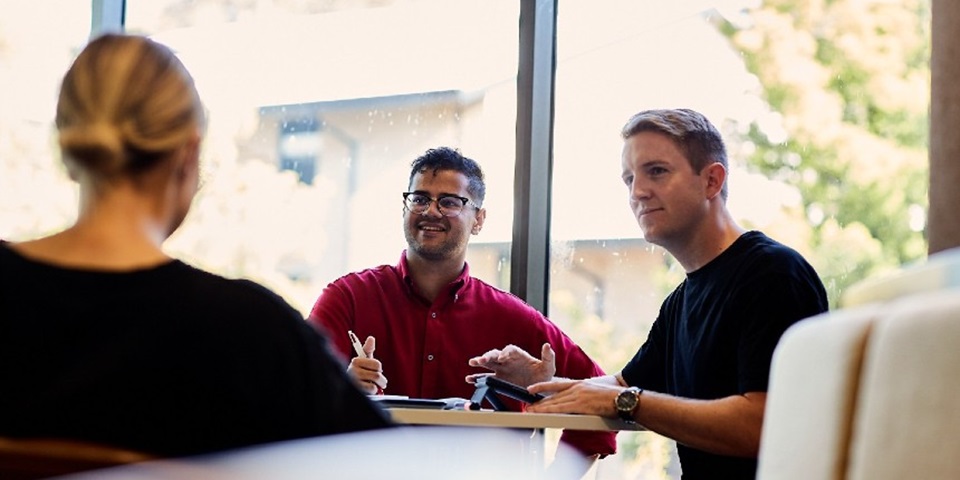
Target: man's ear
x=713, y=175
x=478, y=222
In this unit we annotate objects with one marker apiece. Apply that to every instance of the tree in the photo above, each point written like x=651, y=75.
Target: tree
x=850, y=80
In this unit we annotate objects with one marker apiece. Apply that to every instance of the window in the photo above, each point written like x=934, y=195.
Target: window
x=35, y=50
x=317, y=109
x=814, y=103
x=316, y=112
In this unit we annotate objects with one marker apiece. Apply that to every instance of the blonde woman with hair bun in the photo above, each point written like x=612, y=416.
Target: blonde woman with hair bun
x=106, y=338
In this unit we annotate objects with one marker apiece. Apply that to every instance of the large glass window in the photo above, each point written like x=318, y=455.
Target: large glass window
x=35, y=50
x=317, y=110
x=824, y=109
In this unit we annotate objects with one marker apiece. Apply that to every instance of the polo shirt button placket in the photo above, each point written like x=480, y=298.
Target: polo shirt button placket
x=430, y=356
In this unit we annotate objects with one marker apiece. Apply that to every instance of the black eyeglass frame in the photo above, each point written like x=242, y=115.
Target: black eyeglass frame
x=466, y=201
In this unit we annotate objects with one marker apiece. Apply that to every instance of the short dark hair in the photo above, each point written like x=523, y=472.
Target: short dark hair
x=691, y=132
x=446, y=158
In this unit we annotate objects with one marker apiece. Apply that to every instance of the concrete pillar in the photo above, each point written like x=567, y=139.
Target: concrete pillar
x=944, y=217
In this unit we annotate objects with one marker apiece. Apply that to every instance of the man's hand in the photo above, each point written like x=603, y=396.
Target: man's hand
x=368, y=372
x=515, y=365
x=576, y=396
x=725, y=426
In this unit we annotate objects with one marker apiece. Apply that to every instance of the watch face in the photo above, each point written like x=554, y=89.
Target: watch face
x=627, y=400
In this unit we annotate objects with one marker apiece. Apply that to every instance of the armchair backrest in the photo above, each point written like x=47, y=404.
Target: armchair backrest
x=907, y=417
x=937, y=272
x=813, y=389
x=867, y=393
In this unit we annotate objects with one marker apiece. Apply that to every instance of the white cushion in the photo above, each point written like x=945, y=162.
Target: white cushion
x=813, y=388
x=907, y=420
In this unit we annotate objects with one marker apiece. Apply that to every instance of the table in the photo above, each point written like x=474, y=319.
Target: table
x=448, y=445
x=491, y=418
x=535, y=422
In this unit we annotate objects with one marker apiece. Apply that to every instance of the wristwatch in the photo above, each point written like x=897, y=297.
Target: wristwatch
x=627, y=401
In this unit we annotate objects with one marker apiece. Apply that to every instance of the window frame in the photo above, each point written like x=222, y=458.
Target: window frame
x=536, y=72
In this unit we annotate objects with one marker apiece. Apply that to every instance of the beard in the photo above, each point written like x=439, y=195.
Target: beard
x=442, y=251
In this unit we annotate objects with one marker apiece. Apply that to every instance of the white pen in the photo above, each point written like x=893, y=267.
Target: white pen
x=357, y=346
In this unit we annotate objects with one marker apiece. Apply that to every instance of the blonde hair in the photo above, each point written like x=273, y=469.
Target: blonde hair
x=125, y=103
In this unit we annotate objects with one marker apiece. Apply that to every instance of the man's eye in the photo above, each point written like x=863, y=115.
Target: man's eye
x=419, y=199
x=450, y=202
x=628, y=180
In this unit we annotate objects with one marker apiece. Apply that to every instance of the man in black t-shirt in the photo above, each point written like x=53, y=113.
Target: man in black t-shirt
x=701, y=377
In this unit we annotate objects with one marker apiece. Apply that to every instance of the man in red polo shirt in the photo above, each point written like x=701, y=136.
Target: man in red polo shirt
x=425, y=317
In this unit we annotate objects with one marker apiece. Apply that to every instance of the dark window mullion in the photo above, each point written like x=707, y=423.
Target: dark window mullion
x=530, y=257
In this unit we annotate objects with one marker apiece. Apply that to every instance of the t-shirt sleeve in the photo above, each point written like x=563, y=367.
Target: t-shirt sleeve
x=774, y=304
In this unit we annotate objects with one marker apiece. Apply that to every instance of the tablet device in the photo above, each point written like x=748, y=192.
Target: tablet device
x=511, y=390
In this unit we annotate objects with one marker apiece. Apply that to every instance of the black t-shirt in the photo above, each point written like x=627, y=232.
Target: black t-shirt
x=170, y=360
x=715, y=334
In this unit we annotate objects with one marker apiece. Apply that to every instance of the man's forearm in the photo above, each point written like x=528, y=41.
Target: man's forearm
x=726, y=426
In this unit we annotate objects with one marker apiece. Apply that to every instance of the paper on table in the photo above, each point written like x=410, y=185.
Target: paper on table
x=400, y=401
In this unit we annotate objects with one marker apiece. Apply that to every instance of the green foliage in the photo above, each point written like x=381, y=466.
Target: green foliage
x=907, y=128
x=856, y=123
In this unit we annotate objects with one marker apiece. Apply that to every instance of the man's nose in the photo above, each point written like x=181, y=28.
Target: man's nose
x=639, y=190
x=433, y=209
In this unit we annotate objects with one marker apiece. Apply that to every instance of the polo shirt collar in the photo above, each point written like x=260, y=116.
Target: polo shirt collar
x=453, y=287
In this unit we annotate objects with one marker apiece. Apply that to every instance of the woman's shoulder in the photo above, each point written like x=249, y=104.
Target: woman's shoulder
x=238, y=293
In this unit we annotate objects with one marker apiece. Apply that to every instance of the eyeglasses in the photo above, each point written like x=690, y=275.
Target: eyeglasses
x=448, y=205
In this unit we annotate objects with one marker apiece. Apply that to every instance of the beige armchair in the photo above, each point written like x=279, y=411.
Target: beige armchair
x=872, y=390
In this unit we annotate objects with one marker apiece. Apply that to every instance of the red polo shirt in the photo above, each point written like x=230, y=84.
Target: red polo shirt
x=424, y=347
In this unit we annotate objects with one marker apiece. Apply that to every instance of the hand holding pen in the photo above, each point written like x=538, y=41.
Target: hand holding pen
x=364, y=368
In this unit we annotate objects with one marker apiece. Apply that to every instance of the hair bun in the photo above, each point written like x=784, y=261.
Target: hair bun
x=97, y=146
